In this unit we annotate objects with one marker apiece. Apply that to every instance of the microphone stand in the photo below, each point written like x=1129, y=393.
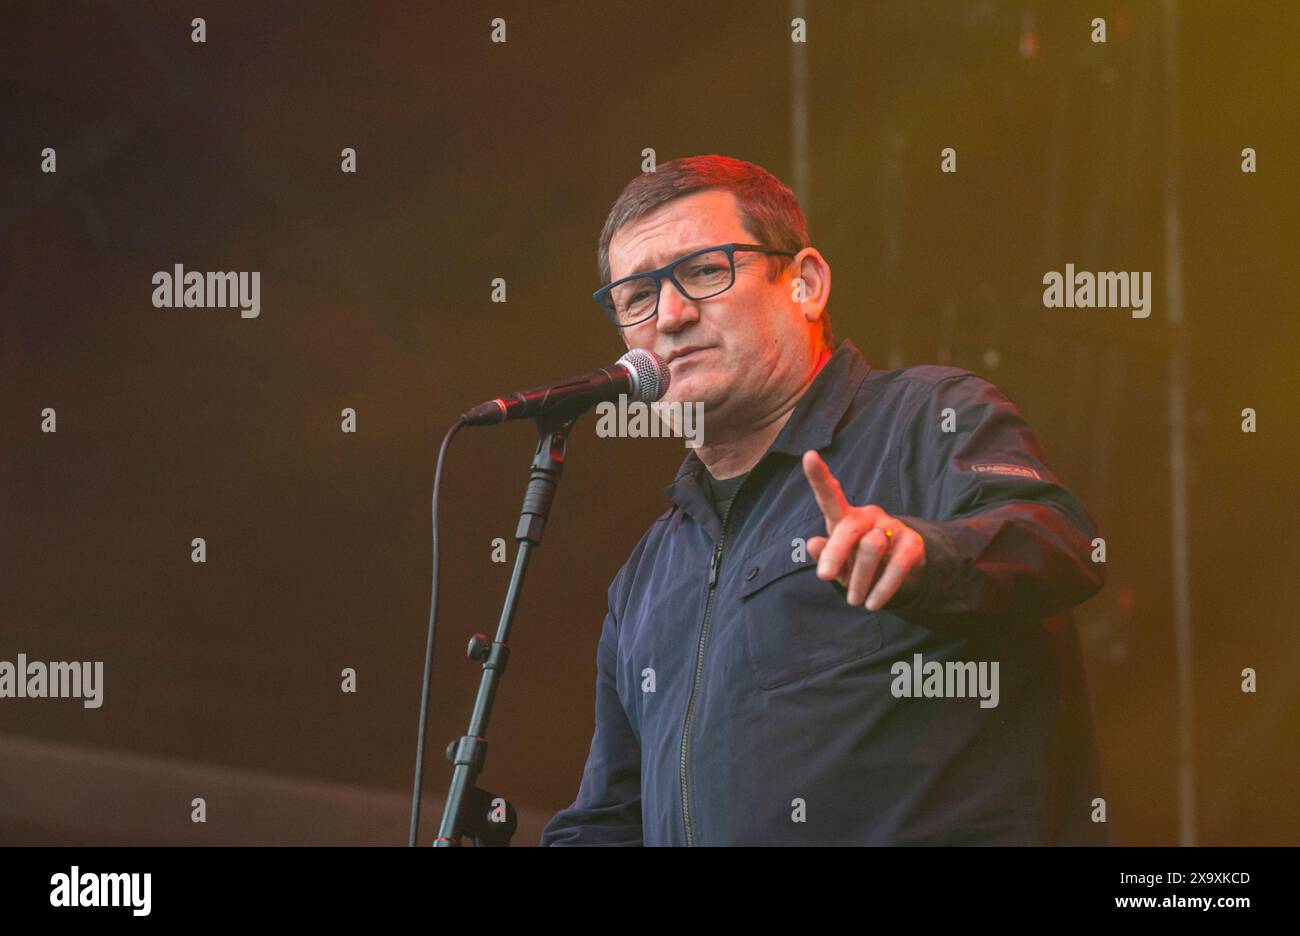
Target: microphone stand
x=487, y=818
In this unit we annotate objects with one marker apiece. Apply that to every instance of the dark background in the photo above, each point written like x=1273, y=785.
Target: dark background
x=478, y=160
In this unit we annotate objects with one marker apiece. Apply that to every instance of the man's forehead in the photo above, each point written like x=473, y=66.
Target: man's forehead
x=677, y=227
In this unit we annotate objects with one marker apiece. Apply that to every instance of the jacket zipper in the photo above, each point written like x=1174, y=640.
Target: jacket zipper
x=714, y=564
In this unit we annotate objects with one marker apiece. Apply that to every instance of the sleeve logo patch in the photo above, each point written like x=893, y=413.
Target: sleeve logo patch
x=1008, y=469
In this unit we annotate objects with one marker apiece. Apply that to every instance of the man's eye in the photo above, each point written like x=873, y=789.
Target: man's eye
x=706, y=270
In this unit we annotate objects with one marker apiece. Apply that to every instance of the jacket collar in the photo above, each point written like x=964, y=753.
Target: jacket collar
x=810, y=426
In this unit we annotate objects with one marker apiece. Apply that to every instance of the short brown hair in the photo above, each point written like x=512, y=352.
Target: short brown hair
x=768, y=209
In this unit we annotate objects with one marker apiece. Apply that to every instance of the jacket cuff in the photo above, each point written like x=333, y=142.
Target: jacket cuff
x=941, y=579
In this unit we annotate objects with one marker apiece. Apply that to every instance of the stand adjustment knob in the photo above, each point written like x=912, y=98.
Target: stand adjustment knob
x=478, y=647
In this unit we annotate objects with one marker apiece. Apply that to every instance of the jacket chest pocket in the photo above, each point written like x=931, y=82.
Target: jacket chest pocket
x=797, y=625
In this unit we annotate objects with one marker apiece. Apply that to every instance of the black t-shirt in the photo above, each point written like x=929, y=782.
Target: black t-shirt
x=722, y=492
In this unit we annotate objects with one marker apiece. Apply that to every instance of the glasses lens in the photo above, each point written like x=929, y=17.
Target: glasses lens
x=701, y=276
x=705, y=275
x=634, y=300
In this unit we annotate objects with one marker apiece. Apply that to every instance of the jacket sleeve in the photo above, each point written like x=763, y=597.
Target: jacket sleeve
x=1002, y=535
x=607, y=810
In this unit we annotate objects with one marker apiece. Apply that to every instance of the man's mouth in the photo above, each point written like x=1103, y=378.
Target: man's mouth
x=686, y=355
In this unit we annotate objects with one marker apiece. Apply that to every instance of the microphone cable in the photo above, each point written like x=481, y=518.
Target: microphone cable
x=428, y=650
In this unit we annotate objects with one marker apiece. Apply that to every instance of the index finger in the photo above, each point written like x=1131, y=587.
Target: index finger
x=829, y=494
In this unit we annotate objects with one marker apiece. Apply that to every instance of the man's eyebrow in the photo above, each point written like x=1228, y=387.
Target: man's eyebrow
x=658, y=260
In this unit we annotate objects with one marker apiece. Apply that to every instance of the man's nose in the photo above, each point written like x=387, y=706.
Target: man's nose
x=675, y=310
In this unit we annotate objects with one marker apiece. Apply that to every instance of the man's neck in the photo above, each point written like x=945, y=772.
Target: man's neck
x=735, y=456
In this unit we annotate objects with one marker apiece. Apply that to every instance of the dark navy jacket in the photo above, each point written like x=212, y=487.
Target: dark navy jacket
x=741, y=701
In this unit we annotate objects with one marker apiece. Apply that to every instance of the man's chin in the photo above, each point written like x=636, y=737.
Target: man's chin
x=690, y=391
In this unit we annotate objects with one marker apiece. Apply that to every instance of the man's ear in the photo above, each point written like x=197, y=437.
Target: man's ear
x=810, y=283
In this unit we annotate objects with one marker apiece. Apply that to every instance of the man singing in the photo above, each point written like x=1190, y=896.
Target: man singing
x=852, y=624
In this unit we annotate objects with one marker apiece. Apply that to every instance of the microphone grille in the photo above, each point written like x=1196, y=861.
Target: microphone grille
x=650, y=374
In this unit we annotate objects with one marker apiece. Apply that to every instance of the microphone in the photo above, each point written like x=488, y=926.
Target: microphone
x=640, y=374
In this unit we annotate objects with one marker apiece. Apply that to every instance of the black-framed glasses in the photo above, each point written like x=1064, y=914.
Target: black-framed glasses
x=701, y=274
